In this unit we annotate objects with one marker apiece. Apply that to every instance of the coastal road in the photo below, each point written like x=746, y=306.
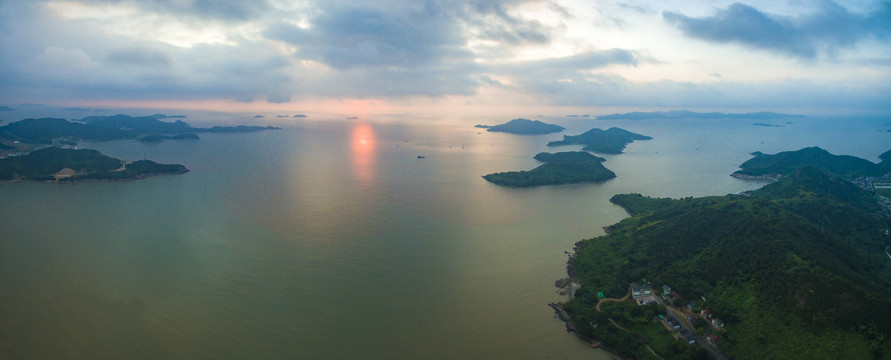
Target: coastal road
x=627, y=295
x=699, y=339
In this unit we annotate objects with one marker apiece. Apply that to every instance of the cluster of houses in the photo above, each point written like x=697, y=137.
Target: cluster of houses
x=683, y=332
x=643, y=295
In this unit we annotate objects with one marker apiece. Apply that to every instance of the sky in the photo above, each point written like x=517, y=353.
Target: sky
x=459, y=55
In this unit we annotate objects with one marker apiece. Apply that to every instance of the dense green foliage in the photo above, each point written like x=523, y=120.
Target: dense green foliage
x=43, y=131
x=559, y=168
x=46, y=162
x=526, y=127
x=886, y=160
x=637, y=330
x=784, y=163
x=610, y=141
x=796, y=271
x=88, y=164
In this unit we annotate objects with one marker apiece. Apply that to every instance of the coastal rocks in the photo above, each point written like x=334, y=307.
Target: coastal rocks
x=567, y=286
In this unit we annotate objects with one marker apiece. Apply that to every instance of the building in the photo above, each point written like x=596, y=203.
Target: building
x=717, y=323
x=691, y=305
x=640, y=291
x=666, y=290
x=706, y=313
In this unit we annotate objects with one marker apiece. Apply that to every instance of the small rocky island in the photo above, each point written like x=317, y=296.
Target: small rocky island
x=610, y=141
x=560, y=168
x=55, y=164
x=524, y=127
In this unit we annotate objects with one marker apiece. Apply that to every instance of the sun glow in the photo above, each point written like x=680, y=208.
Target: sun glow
x=363, y=144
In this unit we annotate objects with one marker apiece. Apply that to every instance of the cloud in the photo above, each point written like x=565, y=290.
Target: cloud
x=344, y=37
x=828, y=30
x=224, y=10
x=492, y=20
x=138, y=57
x=614, y=90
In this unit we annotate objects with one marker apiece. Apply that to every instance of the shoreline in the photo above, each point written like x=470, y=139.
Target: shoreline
x=71, y=180
x=756, y=177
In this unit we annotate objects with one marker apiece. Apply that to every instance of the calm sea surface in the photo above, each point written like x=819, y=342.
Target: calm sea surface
x=332, y=240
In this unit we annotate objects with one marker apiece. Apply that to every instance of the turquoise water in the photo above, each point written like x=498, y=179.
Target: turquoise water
x=329, y=240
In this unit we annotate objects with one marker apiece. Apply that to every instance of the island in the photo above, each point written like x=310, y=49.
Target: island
x=44, y=148
x=102, y=128
x=610, y=141
x=68, y=165
x=685, y=114
x=524, y=127
x=560, y=168
x=795, y=270
x=774, y=166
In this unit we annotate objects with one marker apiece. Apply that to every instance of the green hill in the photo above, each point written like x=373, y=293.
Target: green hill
x=610, y=141
x=796, y=271
x=559, y=168
x=45, y=164
x=44, y=130
x=787, y=162
x=526, y=127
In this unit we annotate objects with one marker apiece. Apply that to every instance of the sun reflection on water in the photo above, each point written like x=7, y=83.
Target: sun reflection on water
x=363, y=145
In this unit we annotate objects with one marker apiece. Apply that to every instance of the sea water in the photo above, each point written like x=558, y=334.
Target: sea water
x=333, y=239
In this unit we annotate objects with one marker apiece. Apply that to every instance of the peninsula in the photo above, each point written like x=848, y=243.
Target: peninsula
x=773, y=166
x=610, y=141
x=55, y=164
x=795, y=270
x=560, y=168
x=524, y=127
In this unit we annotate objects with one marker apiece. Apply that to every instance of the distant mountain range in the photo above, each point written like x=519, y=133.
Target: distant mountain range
x=685, y=114
x=100, y=128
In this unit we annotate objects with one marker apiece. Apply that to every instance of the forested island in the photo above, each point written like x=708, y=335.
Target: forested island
x=797, y=269
x=774, y=166
x=102, y=128
x=560, y=168
x=55, y=164
x=42, y=149
x=524, y=127
x=685, y=114
x=610, y=141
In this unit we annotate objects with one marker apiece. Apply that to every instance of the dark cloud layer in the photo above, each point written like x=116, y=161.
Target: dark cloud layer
x=830, y=29
x=400, y=49
x=225, y=10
